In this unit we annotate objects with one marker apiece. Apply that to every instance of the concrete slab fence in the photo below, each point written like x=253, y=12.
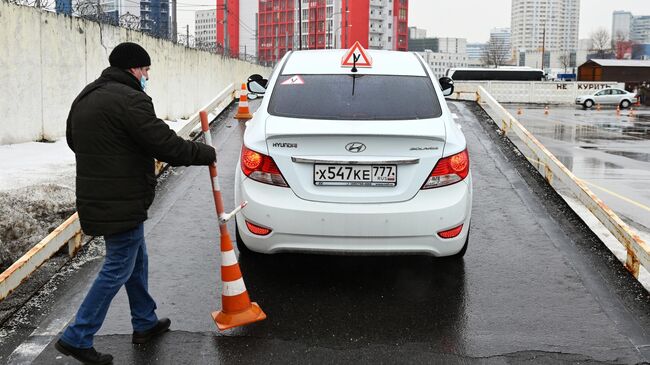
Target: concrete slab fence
x=534, y=92
x=47, y=58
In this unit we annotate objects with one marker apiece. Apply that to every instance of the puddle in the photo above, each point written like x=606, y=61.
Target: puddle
x=639, y=156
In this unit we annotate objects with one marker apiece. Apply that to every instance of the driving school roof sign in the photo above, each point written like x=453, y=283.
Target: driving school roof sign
x=356, y=56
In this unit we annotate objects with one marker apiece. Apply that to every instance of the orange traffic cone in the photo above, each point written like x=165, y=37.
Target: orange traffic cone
x=618, y=110
x=243, y=111
x=237, y=308
x=546, y=110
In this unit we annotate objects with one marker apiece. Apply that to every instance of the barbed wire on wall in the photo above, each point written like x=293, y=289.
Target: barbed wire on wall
x=130, y=21
x=94, y=10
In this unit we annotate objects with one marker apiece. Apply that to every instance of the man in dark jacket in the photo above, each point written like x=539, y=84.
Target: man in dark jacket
x=115, y=135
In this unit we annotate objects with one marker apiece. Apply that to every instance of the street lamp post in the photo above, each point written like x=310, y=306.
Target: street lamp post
x=337, y=29
x=329, y=43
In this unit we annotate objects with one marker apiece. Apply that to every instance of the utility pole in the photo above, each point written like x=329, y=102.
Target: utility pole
x=225, y=28
x=300, y=24
x=174, y=25
x=346, y=24
x=543, y=44
x=327, y=35
x=187, y=34
x=277, y=44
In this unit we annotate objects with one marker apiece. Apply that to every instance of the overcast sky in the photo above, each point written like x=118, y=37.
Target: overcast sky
x=471, y=19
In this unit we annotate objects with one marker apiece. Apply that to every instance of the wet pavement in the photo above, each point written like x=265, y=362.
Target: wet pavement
x=535, y=286
x=610, y=152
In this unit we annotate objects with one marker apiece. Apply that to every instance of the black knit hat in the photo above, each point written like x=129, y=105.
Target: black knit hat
x=129, y=55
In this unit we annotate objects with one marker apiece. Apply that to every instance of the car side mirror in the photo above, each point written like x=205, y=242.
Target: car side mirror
x=257, y=84
x=447, y=85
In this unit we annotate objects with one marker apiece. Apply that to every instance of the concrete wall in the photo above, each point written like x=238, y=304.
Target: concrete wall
x=539, y=92
x=47, y=58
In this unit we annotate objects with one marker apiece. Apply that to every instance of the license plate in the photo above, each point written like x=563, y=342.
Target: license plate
x=355, y=175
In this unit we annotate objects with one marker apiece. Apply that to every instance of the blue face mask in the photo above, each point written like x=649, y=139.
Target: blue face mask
x=143, y=82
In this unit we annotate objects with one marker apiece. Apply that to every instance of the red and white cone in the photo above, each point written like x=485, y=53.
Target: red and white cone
x=243, y=110
x=237, y=308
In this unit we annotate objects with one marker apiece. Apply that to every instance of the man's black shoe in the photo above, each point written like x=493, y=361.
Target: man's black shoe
x=86, y=356
x=146, y=336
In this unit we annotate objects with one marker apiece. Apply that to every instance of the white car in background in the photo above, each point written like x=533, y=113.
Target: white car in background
x=370, y=162
x=611, y=96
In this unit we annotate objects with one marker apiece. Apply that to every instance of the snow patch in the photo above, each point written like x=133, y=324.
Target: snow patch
x=34, y=163
x=29, y=214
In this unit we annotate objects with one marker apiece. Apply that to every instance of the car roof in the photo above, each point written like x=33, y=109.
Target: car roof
x=325, y=62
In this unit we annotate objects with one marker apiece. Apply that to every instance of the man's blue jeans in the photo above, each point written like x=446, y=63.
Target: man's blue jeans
x=126, y=263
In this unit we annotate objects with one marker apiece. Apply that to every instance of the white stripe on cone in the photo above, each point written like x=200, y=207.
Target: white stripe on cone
x=228, y=258
x=233, y=288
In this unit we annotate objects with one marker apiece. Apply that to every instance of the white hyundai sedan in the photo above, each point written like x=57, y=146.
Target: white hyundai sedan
x=364, y=160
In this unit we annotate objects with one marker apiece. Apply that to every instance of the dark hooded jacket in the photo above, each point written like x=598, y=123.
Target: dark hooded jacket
x=115, y=135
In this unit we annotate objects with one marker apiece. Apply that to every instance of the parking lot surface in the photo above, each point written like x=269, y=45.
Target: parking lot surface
x=536, y=286
x=608, y=151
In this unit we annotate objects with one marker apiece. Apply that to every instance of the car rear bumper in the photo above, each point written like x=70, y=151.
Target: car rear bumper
x=305, y=226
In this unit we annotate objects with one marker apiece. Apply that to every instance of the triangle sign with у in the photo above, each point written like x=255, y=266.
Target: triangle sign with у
x=356, y=51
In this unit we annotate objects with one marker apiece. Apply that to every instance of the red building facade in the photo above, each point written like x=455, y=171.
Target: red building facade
x=375, y=24
x=232, y=7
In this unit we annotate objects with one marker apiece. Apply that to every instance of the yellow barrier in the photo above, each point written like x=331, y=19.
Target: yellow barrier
x=638, y=251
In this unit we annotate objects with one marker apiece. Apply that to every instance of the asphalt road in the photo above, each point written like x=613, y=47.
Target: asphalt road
x=608, y=151
x=535, y=286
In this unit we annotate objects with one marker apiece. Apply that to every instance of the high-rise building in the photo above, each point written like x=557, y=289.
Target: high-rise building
x=440, y=62
x=641, y=29
x=228, y=17
x=452, y=45
x=154, y=18
x=627, y=27
x=621, y=25
x=548, y=24
x=475, y=51
x=500, y=39
x=417, y=33
x=63, y=6
x=438, y=45
x=376, y=24
x=205, y=28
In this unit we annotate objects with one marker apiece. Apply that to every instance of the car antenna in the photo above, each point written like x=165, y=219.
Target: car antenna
x=355, y=58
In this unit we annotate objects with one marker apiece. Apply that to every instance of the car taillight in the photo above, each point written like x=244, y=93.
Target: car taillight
x=448, y=170
x=260, y=167
x=451, y=233
x=258, y=230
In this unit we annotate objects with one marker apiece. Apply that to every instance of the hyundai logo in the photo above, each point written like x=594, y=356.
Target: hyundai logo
x=355, y=147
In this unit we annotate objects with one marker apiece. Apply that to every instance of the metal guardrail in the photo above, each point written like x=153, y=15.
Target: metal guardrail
x=70, y=231
x=195, y=119
x=638, y=251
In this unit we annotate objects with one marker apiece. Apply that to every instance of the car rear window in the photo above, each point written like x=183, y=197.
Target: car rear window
x=354, y=97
